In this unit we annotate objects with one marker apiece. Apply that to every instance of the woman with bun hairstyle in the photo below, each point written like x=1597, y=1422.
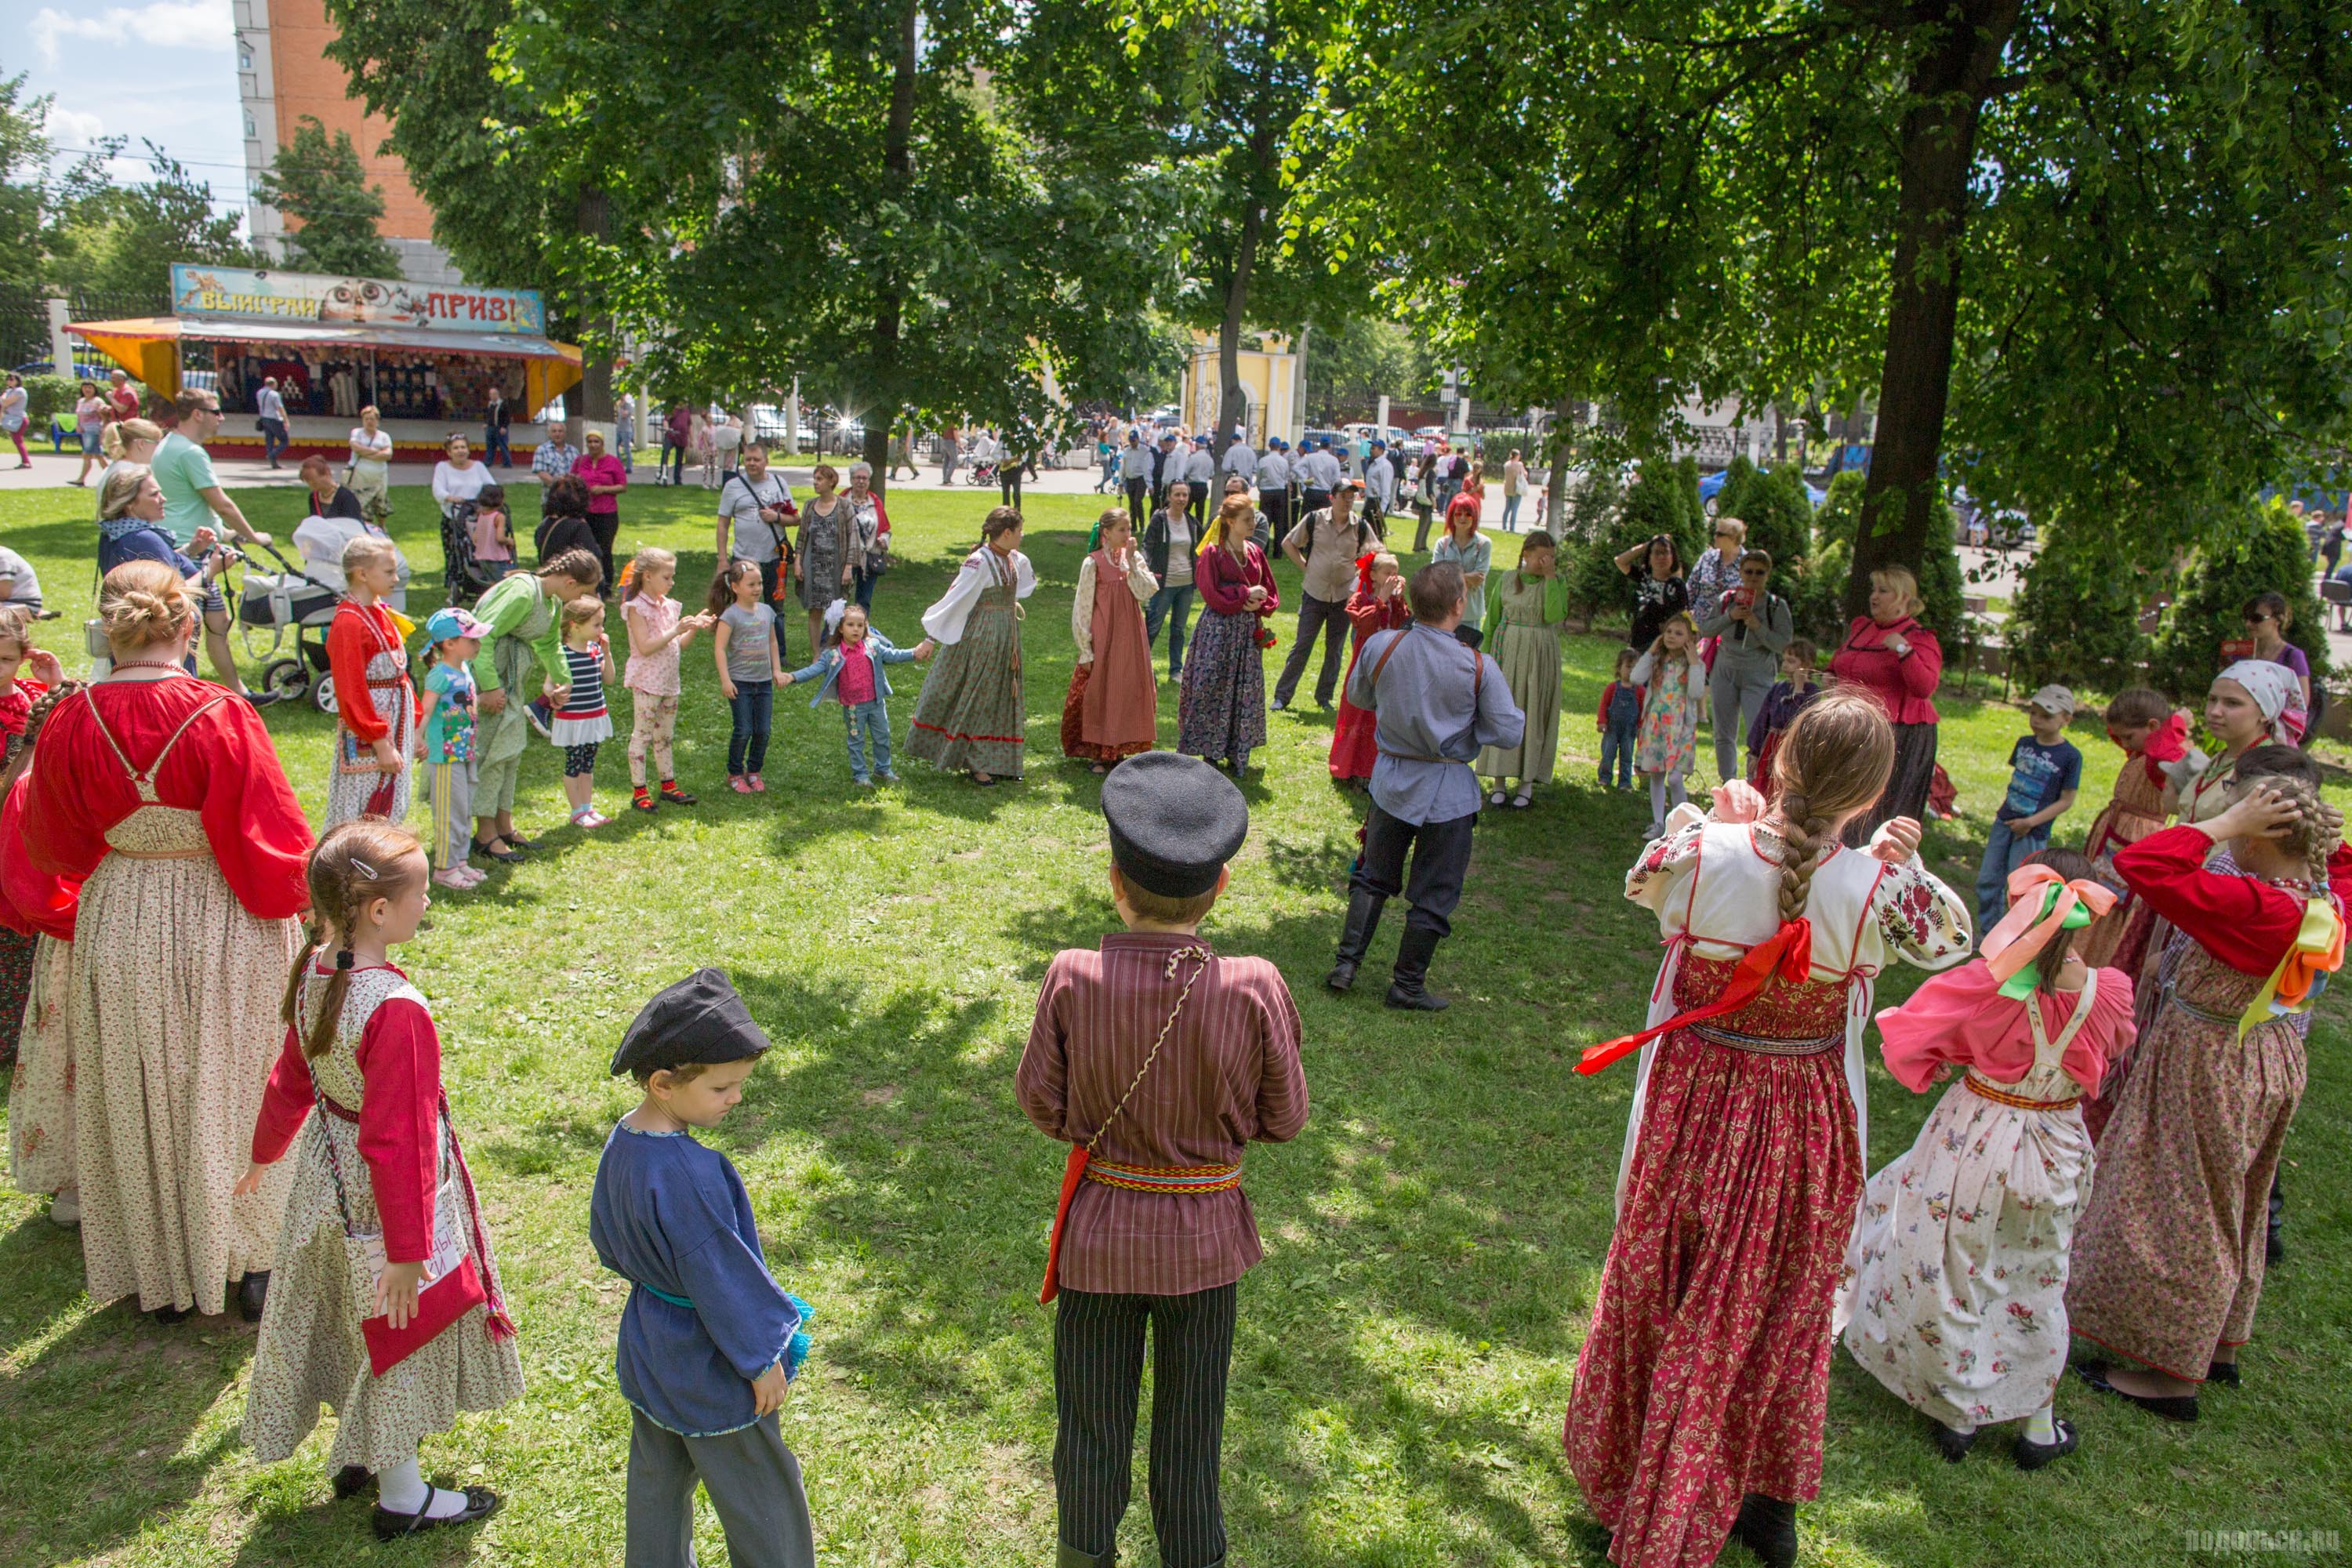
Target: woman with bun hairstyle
x=1703, y=1385
x=165, y=795
x=970, y=716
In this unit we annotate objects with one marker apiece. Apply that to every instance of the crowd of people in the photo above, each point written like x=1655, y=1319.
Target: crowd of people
x=191, y=973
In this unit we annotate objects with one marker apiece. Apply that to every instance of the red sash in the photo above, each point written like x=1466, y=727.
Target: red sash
x=1788, y=952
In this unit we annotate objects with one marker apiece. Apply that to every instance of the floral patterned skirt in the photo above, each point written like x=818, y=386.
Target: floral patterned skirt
x=1960, y=1260
x=15, y=983
x=1705, y=1375
x=1223, y=711
x=41, y=1088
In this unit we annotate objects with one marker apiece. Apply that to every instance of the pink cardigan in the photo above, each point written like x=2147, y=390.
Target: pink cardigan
x=1904, y=685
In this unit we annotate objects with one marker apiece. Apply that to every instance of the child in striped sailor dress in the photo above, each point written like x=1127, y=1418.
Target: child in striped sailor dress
x=583, y=720
x=375, y=703
x=379, y=1181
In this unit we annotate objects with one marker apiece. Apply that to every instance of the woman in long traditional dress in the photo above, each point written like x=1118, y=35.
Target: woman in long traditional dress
x=1222, y=713
x=2169, y=1258
x=1956, y=1279
x=1113, y=707
x=1527, y=614
x=2151, y=734
x=827, y=556
x=970, y=716
x=164, y=794
x=1703, y=1385
x=1378, y=604
x=519, y=612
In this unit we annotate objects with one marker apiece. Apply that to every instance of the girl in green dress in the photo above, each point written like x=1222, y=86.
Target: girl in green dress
x=1527, y=616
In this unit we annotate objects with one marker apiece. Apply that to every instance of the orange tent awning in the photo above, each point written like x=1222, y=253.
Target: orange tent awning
x=147, y=346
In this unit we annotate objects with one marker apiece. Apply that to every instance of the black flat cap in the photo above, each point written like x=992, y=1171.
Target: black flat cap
x=699, y=1020
x=1174, y=821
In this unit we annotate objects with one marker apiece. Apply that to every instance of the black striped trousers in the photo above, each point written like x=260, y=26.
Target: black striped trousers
x=1098, y=1383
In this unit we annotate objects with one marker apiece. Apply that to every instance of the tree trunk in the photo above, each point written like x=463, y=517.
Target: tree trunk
x=1567, y=416
x=1947, y=89
x=897, y=160
x=1232, y=407
x=591, y=214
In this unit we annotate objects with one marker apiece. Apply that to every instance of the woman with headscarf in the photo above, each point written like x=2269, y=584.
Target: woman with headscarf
x=1112, y=709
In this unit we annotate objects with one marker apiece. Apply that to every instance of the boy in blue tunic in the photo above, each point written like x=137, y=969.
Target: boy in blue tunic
x=709, y=1341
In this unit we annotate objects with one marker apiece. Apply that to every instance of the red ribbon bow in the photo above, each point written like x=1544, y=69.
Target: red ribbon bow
x=1787, y=952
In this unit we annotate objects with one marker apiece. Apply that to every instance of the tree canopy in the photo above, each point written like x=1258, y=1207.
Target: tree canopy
x=318, y=182
x=2088, y=252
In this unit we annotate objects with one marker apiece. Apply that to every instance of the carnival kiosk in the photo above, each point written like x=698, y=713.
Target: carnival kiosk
x=426, y=357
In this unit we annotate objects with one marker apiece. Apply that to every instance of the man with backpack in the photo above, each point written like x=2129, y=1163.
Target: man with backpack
x=1324, y=547
x=756, y=507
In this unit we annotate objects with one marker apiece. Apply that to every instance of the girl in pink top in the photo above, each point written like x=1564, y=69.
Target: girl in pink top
x=656, y=631
x=1955, y=1284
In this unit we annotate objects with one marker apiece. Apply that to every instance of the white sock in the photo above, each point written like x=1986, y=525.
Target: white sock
x=402, y=1490
x=1674, y=794
x=2042, y=1426
x=1658, y=797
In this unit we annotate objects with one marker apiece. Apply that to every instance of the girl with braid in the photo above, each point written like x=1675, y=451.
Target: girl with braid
x=379, y=1164
x=1703, y=1385
x=2169, y=1261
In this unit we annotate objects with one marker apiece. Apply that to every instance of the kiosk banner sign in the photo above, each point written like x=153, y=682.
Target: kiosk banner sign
x=237, y=293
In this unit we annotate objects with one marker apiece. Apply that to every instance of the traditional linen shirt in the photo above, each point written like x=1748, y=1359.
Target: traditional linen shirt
x=1426, y=713
x=673, y=1217
x=944, y=621
x=1228, y=1075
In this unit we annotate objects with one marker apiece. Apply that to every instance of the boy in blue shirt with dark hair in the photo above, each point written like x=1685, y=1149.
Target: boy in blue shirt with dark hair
x=2045, y=772
x=708, y=1342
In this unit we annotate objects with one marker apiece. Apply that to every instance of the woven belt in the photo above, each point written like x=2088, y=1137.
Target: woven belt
x=341, y=1114
x=1177, y=1179
x=2000, y=1096
x=2173, y=998
x=1764, y=1045
x=1415, y=757
x=160, y=853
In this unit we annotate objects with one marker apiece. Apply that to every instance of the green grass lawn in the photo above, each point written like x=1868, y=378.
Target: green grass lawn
x=1435, y=1236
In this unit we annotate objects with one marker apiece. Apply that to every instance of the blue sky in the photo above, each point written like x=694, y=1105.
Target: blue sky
x=165, y=70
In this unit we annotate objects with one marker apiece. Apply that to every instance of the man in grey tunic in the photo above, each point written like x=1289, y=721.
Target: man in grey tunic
x=1437, y=702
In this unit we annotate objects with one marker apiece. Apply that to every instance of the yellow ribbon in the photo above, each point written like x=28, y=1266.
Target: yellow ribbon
x=2302, y=974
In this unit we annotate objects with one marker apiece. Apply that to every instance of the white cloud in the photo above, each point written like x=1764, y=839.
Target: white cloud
x=74, y=128
x=165, y=23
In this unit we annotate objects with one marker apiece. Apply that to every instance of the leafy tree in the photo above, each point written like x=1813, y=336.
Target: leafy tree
x=506, y=213
x=1655, y=504
x=1206, y=95
x=320, y=184
x=1779, y=514
x=2075, y=619
x=1359, y=361
x=2249, y=550
x=2099, y=242
x=837, y=193
x=1839, y=517
x=122, y=240
x=23, y=185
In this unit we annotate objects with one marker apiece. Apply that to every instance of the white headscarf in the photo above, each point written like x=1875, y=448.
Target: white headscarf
x=2272, y=687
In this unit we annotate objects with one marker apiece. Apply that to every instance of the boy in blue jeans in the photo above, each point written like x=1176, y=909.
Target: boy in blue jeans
x=849, y=668
x=2045, y=772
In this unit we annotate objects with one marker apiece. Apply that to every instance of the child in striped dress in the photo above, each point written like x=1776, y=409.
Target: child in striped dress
x=582, y=722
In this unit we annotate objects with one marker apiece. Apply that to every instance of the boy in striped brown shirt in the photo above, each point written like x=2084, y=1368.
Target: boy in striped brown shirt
x=1157, y=1061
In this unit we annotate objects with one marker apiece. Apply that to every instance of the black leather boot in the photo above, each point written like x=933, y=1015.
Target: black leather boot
x=1071, y=1557
x=1767, y=1527
x=1405, y=987
x=252, y=1295
x=1363, y=920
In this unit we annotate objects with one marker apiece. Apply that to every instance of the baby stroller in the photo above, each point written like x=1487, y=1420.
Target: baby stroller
x=460, y=568
x=289, y=601
x=982, y=472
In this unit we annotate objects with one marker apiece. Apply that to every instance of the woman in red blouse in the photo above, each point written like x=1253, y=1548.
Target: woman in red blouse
x=164, y=793
x=1221, y=714
x=2170, y=1257
x=1890, y=655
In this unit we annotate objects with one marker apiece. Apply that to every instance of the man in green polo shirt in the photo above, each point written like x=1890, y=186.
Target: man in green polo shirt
x=193, y=498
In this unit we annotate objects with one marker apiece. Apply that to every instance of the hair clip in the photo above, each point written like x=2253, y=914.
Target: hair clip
x=365, y=870
x=343, y=958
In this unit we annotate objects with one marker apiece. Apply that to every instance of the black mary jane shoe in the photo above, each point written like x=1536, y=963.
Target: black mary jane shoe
x=352, y=1481
x=252, y=1293
x=2032, y=1456
x=480, y=1503
x=505, y=857
x=2224, y=1372
x=167, y=1316
x=1954, y=1445
x=517, y=841
x=2171, y=1406
x=1767, y=1527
